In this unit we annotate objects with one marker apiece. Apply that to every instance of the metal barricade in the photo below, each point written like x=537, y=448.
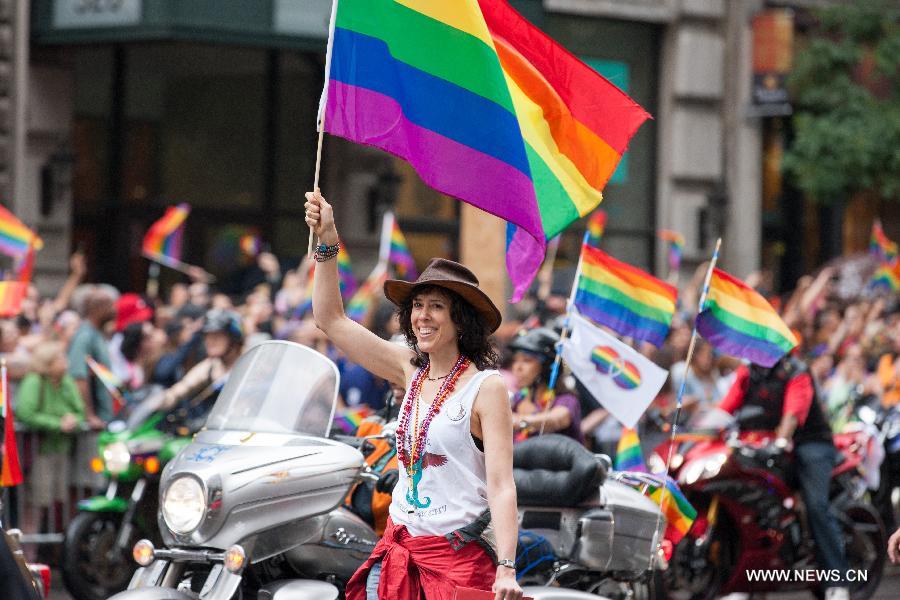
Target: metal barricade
x=19, y=509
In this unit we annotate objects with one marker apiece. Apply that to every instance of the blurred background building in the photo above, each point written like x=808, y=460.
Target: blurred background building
x=111, y=110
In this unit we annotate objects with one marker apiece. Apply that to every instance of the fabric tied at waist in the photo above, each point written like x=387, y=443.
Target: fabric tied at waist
x=429, y=564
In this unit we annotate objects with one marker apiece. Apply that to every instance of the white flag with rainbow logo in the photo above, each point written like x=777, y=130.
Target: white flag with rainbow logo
x=624, y=381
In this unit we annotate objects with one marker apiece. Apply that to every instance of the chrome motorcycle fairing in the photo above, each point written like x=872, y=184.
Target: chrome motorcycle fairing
x=265, y=482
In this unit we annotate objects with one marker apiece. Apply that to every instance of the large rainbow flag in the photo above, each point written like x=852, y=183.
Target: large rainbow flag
x=163, y=239
x=624, y=298
x=484, y=106
x=738, y=321
x=15, y=237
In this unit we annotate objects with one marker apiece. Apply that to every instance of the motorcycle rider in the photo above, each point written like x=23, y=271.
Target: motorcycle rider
x=223, y=338
x=533, y=354
x=789, y=408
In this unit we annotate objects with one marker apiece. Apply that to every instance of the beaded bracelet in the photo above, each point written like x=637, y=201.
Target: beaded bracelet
x=325, y=252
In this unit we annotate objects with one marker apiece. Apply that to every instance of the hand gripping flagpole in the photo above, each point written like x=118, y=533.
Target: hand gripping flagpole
x=320, y=120
x=678, y=402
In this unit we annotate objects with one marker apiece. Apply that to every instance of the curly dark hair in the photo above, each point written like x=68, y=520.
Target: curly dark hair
x=474, y=338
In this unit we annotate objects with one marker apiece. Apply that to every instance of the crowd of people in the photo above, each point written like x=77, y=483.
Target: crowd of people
x=189, y=339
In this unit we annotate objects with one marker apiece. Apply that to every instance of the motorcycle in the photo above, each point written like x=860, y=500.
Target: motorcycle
x=750, y=519
x=582, y=528
x=254, y=506
x=96, y=553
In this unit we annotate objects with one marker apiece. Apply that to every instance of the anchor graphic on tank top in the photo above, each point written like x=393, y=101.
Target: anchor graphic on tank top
x=428, y=459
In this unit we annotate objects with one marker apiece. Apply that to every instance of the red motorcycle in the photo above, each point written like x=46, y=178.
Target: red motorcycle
x=751, y=533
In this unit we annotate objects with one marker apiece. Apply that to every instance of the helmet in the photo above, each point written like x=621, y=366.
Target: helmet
x=224, y=321
x=540, y=342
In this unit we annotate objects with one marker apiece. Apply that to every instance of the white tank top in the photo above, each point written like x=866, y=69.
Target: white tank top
x=451, y=490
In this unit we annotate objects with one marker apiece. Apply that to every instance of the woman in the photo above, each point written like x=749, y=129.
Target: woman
x=454, y=442
x=48, y=401
x=536, y=408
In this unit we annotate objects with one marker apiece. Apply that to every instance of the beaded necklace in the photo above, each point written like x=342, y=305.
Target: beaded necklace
x=411, y=444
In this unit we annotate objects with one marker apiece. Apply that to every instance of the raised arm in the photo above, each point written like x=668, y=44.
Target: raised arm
x=380, y=357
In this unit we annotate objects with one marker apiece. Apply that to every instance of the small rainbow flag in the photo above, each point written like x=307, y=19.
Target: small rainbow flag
x=628, y=452
x=400, y=256
x=595, y=227
x=676, y=247
x=10, y=469
x=163, y=239
x=345, y=272
x=886, y=277
x=109, y=380
x=738, y=321
x=11, y=295
x=348, y=420
x=15, y=237
x=880, y=245
x=631, y=302
x=362, y=300
x=678, y=511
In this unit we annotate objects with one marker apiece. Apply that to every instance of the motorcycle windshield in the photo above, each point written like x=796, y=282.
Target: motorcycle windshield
x=278, y=387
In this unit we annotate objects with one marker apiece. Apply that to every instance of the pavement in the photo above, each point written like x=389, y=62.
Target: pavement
x=888, y=590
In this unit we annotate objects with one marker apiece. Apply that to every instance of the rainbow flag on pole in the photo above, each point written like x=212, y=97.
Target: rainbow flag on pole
x=676, y=247
x=886, y=277
x=629, y=301
x=738, y=321
x=163, y=239
x=15, y=237
x=11, y=295
x=596, y=227
x=678, y=511
x=880, y=245
x=628, y=452
x=345, y=272
x=399, y=254
x=368, y=293
x=484, y=106
x=10, y=470
x=109, y=380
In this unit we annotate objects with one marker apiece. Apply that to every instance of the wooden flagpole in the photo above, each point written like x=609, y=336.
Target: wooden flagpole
x=323, y=102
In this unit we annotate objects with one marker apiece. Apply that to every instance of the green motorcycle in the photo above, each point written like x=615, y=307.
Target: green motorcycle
x=96, y=556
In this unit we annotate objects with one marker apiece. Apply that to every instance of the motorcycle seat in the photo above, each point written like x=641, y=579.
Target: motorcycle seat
x=555, y=470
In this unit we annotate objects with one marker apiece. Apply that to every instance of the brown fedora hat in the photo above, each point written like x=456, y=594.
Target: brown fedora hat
x=453, y=276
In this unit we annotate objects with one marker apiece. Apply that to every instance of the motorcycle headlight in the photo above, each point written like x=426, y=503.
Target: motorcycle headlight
x=116, y=457
x=183, y=505
x=705, y=468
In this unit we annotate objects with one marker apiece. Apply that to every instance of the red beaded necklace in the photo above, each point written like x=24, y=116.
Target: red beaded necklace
x=411, y=444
